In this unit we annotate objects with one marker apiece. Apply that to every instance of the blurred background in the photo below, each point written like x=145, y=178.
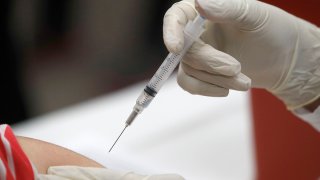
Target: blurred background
x=62, y=52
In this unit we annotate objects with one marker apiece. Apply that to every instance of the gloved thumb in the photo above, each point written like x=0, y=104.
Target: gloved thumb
x=246, y=14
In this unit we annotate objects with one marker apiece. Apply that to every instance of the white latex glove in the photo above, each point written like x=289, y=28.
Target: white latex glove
x=90, y=173
x=277, y=50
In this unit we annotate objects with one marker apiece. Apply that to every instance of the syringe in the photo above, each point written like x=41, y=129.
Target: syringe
x=192, y=32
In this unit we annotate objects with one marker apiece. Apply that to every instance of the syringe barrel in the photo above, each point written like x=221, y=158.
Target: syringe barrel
x=192, y=32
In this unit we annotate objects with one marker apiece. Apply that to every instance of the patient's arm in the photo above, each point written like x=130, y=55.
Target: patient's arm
x=44, y=155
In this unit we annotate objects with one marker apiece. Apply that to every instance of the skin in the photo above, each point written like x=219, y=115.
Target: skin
x=313, y=106
x=43, y=155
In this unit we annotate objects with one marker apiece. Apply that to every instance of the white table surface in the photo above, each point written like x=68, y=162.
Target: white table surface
x=200, y=138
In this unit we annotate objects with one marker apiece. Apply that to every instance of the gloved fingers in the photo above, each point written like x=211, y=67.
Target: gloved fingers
x=164, y=177
x=82, y=173
x=196, y=86
x=174, y=22
x=85, y=173
x=238, y=82
x=247, y=14
x=204, y=57
x=50, y=177
x=133, y=176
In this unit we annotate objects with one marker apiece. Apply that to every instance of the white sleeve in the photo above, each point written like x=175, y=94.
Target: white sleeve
x=313, y=118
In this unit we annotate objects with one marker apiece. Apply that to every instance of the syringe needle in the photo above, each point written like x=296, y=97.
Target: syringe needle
x=118, y=137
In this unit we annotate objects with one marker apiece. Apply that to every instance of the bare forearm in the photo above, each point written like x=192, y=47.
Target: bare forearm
x=44, y=155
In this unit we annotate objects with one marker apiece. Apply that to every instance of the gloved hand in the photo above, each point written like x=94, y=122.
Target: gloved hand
x=87, y=173
x=277, y=50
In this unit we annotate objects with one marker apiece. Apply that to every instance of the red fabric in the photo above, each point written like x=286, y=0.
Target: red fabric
x=12, y=152
x=3, y=158
x=286, y=147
